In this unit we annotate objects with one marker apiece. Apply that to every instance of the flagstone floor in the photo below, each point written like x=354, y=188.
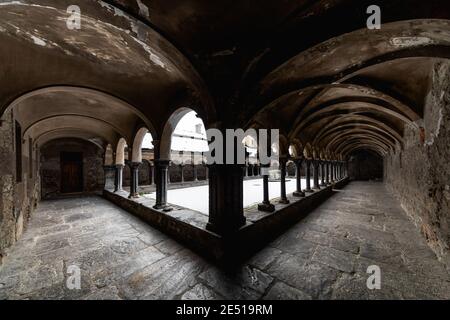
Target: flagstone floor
x=325, y=256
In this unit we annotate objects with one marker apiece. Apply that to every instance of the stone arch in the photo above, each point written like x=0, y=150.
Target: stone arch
x=136, y=151
x=308, y=151
x=169, y=128
x=120, y=152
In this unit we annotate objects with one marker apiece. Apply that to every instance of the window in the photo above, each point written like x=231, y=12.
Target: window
x=18, y=146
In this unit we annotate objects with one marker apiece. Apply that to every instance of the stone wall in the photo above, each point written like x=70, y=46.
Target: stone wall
x=19, y=195
x=419, y=175
x=93, y=172
x=365, y=165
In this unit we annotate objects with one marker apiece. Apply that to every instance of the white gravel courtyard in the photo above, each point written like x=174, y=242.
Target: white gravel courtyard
x=196, y=198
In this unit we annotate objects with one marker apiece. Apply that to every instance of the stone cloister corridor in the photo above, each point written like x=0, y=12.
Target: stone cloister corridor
x=231, y=150
x=324, y=256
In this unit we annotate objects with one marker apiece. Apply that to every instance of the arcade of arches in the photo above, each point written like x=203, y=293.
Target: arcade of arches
x=363, y=116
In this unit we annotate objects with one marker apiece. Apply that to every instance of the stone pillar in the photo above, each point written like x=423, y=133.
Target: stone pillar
x=266, y=205
x=182, y=173
x=226, y=198
x=134, y=180
x=332, y=172
x=308, y=177
x=283, y=197
x=161, y=175
x=118, y=181
x=337, y=170
x=110, y=177
x=152, y=174
x=327, y=172
x=194, y=168
x=298, y=176
x=316, y=174
x=322, y=171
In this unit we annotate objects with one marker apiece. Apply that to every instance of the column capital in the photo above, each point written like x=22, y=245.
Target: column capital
x=134, y=165
x=162, y=162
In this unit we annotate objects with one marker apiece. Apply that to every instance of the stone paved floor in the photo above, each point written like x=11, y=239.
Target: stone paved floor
x=325, y=256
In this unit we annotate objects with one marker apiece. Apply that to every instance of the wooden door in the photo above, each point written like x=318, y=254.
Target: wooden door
x=71, y=172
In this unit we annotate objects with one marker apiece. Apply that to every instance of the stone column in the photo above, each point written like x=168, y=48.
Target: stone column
x=161, y=175
x=327, y=172
x=322, y=171
x=182, y=172
x=308, y=177
x=266, y=205
x=226, y=198
x=333, y=173
x=283, y=197
x=134, y=180
x=336, y=176
x=110, y=177
x=194, y=168
x=298, y=176
x=316, y=174
x=118, y=182
x=152, y=174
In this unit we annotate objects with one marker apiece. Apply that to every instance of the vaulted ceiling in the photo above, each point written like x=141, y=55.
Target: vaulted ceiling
x=310, y=68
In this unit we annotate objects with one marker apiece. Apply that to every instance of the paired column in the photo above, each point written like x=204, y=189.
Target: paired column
x=327, y=173
x=316, y=174
x=283, y=198
x=118, y=181
x=266, y=205
x=322, y=173
x=134, y=180
x=161, y=176
x=152, y=174
x=194, y=167
x=333, y=171
x=298, y=175
x=308, y=177
x=182, y=172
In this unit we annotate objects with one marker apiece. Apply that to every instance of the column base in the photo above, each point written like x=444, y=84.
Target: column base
x=133, y=196
x=284, y=201
x=228, y=229
x=266, y=207
x=308, y=191
x=163, y=207
x=299, y=194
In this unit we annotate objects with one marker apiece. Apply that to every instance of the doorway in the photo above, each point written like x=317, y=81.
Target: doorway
x=71, y=172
